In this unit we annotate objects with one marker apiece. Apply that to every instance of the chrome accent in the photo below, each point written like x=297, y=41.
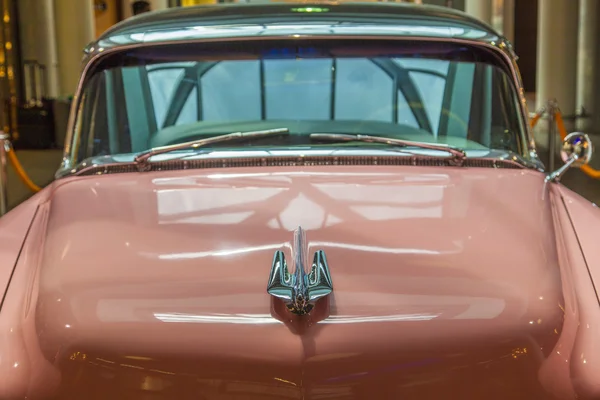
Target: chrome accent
x=551, y=109
x=516, y=159
x=576, y=152
x=458, y=155
x=300, y=290
x=142, y=160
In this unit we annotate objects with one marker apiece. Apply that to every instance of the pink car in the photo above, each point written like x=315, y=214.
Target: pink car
x=302, y=201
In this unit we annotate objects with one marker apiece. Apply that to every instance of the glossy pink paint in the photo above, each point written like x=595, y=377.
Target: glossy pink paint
x=447, y=281
x=13, y=230
x=578, y=217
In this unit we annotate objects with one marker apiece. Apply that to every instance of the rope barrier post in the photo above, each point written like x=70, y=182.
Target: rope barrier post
x=4, y=138
x=552, y=107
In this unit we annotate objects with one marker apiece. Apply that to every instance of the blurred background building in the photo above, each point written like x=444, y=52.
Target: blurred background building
x=42, y=42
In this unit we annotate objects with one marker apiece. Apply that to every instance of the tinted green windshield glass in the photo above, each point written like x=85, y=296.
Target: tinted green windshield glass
x=431, y=92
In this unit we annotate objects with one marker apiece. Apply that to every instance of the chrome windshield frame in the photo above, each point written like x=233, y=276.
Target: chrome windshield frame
x=498, y=44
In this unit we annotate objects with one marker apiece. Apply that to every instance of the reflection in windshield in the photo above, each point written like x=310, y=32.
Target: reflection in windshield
x=450, y=96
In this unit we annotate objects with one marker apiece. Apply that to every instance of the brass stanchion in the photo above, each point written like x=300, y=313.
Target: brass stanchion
x=3, y=173
x=551, y=109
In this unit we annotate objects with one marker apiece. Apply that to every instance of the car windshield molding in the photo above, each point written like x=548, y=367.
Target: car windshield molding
x=217, y=157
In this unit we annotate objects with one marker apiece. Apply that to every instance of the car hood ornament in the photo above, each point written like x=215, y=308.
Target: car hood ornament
x=300, y=290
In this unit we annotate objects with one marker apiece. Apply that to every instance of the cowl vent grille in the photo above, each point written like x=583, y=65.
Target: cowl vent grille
x=247, y=162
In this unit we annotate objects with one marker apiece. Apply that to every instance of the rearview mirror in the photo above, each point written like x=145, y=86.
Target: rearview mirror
x=576, y=151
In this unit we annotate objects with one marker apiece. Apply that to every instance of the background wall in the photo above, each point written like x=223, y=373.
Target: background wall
x=154, y=4
x=48, y=35
x=108, y=16
x=458, y=4
x=525, y=40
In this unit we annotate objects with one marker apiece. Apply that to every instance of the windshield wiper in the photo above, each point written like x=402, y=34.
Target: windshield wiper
x=458, y=155
x=142, y=159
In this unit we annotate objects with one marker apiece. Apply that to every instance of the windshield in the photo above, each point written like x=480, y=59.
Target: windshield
x=419, y=91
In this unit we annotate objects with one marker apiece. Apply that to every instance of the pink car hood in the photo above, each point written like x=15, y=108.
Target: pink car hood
x=446, y=283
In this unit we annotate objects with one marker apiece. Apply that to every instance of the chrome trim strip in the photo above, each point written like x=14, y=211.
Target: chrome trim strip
x=458, y=155
x=503, y=48
x=107, y=165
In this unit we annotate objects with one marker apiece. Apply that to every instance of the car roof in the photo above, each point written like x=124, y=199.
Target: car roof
x=371, y=18
x=232, y=12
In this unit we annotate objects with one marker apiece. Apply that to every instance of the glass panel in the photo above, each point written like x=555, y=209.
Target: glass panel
x=163, y=83
x=231, y=91
x=438, y=67
x=431, y=89
x=406, y=116
x=439, y=93
x=298, y=89
x=459, y=109
x=430, y=81
x=362, y=91
x=189, y=112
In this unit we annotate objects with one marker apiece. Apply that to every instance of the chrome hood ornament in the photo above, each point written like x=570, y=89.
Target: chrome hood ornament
x=300, y=290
